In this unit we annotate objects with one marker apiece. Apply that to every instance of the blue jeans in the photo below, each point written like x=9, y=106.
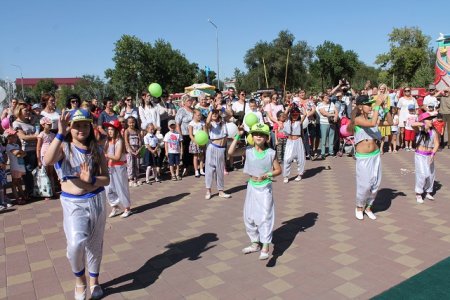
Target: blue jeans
x=30, y=164
x=326, y=131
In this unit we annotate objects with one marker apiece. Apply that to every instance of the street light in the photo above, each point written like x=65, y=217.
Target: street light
x=21, y=75
x=217, y=41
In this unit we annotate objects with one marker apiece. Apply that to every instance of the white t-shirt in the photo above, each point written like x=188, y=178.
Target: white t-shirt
x=54, y=116
x=238, y=106
x=17, y=163
x=196, y=126
x=403, y=104
x=328, y=108
x=173, y=140
x=151, y=140
x=395, y=121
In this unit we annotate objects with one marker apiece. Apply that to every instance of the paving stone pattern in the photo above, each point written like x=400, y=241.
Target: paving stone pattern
x=177, y=245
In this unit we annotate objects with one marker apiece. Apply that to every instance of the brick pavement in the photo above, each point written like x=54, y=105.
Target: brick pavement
x=179, y=246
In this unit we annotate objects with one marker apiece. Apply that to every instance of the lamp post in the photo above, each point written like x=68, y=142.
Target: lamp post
x=21, y=75
x=217, y=42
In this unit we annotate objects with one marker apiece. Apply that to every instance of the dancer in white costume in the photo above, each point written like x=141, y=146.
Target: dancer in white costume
x=368, y=163
x=294, y=145
x=117, y=192
x=259, y=212
x=427, y=144
x=82, y=169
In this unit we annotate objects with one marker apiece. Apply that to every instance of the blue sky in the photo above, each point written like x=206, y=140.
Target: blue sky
x=70, y=38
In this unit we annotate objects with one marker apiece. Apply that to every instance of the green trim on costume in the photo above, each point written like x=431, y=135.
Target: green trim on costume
x=357, y=128
x=259, y=183
x=366, y=155
x=259, y=155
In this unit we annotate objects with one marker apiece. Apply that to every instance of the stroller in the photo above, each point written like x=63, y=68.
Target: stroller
x=346, y=141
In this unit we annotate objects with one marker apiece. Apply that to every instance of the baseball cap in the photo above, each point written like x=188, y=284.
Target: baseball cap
x=260, y=128
x=115, y=124
x=78, y=115
x=364, y=100
x=36, y=106
x=172, y=122
x=431, y=87
x=411, y=107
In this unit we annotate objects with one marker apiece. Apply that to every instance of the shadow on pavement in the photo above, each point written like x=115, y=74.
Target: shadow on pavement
x=384, y=199
x=152, y=269
x=160, y=202
x=284, y=236
x=313, y=171
x=236, y=189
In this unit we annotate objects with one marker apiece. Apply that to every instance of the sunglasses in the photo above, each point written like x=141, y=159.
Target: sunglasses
x=407, y=91
x=242, y=94
x=128, y=99
x=73, y=101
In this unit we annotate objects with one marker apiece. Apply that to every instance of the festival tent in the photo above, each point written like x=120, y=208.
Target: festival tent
x=200, y=89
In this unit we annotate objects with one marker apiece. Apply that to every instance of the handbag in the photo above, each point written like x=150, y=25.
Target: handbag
x=330, y=118
x=42, y=183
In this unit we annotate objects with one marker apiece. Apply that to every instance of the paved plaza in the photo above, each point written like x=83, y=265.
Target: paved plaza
x=177, y=245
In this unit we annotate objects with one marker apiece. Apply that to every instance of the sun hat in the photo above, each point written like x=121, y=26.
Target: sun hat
x=411, y=107
x=260, y=128
x=78, y=115
x=425, y=116
x=172, y=122
x=115, y=124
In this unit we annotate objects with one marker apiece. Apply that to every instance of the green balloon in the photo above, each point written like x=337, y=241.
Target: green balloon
x=251, y=119
x=201, y=138
x=155, y=89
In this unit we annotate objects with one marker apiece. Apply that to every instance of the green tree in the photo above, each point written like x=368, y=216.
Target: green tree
x=274, y=55
x=139, y=63
x=408, y=52
x=41, y=87
x=333, y=63
x=91, y=86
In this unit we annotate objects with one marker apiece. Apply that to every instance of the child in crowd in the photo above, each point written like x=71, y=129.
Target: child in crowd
x=17, y=165
x=81, y=167
x=280, y=136
x=174, y=149
x=261, y=165
x=117, y=192
x=44, y=139
x=124, y=125
x=409, y=131
x=253, y=108
x=384, y=125
x=394, y=130
x=133, y=146
x=151, y=143
x=427, y=144
x=294, y=145
x=197, y=151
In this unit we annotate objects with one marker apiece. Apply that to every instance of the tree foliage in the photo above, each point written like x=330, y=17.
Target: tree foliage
x=139, y=63
x=274, y=55
x=333, y=63
x=407, y=54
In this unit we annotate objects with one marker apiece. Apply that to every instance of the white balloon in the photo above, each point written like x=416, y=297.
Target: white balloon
x=232, y=130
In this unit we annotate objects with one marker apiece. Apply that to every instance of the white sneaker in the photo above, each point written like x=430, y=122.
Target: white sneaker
x=126, y=214
x=2, y=207
x=252, y=248
x=202, y=173
x=370, y=214
x=263, y=255
x=224, y=195
x=114, y=212
x=298, y=178
x=359, y=214
x=285, y=180
x=419, y=199
x=429, y=197
x=208, y=196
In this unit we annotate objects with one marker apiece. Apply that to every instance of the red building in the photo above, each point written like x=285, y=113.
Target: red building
x=31, y=82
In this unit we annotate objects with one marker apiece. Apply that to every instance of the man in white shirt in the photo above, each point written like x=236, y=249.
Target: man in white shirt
x=430, y=103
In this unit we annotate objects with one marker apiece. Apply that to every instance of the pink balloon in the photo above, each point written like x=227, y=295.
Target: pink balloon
x=343, y=131
x=5, y=123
